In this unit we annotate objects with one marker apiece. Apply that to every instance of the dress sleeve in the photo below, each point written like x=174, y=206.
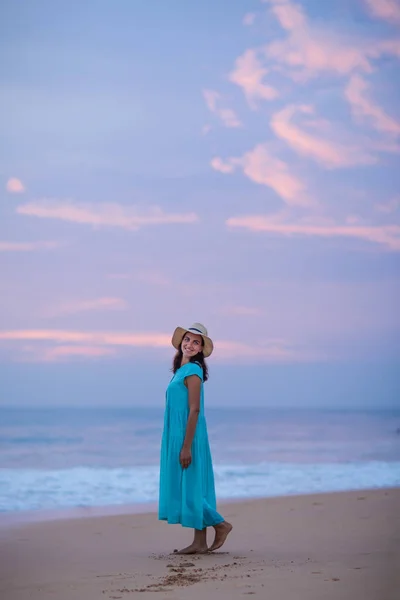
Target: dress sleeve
x=194, y=369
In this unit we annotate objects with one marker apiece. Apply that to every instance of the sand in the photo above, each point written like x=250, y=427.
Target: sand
x=319, y=547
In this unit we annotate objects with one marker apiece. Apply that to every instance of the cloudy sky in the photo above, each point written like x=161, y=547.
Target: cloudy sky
x=233, y=163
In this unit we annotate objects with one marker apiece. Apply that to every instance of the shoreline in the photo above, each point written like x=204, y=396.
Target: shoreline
x=17, y=518
x=340, y=545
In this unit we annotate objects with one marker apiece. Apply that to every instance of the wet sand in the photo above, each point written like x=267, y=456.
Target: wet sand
x=318, y=547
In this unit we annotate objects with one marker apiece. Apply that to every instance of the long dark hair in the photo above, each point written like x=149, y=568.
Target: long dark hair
x=199, y=358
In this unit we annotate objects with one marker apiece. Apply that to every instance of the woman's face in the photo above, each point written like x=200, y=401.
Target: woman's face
x=191, y=345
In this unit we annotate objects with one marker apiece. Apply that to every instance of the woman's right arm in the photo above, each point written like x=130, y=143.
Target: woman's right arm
x=193, y=383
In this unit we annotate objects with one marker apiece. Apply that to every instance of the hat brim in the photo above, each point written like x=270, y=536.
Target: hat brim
x=178, y=336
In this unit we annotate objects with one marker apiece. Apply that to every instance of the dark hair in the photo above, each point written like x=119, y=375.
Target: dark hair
x=199, y=359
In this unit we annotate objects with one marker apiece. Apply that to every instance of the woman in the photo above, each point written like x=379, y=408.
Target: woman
x=187, y=493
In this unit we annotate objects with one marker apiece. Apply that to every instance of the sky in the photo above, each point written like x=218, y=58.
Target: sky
x=231, y=163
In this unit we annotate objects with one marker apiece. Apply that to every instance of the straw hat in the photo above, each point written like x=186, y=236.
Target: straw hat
x=198, y=329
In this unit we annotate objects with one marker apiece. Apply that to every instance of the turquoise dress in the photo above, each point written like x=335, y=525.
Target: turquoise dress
x=187, y=496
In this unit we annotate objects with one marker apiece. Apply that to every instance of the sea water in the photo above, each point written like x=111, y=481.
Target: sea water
x=92, y=457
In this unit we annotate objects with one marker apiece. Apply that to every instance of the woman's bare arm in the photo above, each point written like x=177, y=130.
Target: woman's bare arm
x=193, y=383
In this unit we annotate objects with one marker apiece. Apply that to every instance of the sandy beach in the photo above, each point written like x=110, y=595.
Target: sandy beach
x=339, y=546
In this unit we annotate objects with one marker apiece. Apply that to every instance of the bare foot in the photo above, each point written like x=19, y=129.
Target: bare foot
x=221, y=533
x=193, y=549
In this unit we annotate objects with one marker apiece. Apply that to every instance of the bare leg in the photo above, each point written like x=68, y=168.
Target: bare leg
x=222, y=530
x=199, y=544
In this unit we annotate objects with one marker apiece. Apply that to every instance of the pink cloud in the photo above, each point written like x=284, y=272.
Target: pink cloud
x=249, y=74
x=226, y=115
x=390, y=47
x=103, y=214
x=15, y=186
x=307, y=54
x=27, y=246
x=249, y=19
x=385, y=235
x=290, y=16
x=362, y=107
x=211, y=98
x=310, y=49
x=65, y=352
x=96, y=344
x=154, y=278
x=271, y=351
x=223, y=167
x=153, y=340
x=261, y=167
x=389, y=207
x=331, y=154
x=95, y=304
x=388, y=10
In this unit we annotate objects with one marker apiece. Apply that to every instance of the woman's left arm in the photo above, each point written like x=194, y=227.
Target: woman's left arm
x=194, y=388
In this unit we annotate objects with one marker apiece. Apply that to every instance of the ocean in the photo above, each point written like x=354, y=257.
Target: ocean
x=55, y=459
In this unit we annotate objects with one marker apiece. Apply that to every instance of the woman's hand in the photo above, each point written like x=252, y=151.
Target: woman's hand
x=185, y=457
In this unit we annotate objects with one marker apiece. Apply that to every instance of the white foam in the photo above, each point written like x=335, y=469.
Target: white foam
x=32, y=489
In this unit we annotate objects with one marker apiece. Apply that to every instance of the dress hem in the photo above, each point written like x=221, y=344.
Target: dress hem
x=177, y=522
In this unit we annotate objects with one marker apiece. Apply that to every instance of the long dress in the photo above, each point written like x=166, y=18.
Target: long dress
x=187, y=496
